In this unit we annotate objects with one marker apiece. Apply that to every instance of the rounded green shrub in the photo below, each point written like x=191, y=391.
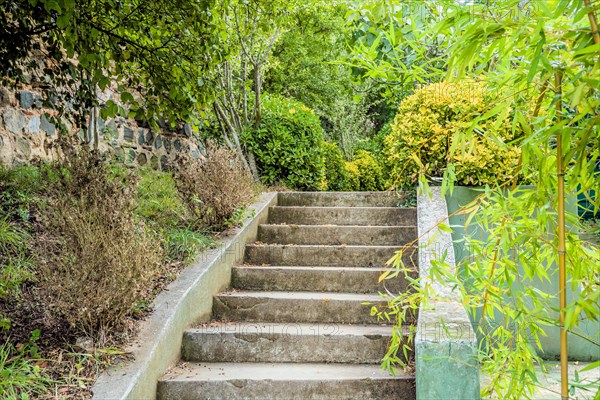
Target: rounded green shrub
x=429, y=121
x=370, y=173
x=337, y=177
x=288, y=144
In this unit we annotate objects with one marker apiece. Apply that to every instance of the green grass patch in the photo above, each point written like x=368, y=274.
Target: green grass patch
x=20, y=375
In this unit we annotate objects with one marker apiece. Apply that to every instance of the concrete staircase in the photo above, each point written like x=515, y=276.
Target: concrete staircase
x=294, y=325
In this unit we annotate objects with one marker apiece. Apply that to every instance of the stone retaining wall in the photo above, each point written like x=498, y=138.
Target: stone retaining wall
x=27, y=133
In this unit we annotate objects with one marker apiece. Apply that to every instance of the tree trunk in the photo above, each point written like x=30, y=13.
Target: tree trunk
x=257, y=90
x=238, y=148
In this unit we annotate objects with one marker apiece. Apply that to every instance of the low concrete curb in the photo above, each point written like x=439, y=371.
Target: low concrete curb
x=445, y=343
x=186, y=301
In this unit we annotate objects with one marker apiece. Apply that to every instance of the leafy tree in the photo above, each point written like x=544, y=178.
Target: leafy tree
x=155, y=55
x=392, y=46
x=256, y=25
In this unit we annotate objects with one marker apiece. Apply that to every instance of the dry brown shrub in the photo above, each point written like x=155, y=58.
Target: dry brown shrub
x=216, y=188
x=97, y=262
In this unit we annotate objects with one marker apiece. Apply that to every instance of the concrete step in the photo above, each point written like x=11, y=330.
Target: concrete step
x=346, y=199
x=197, y=381
x=317, y=279
x=286, y=343
x=332, y=235
x=366, y=216
x=299, y=307
x=343, y=256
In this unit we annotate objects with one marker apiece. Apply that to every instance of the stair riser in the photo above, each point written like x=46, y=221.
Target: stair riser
x=336, y=235
x=282, y=310
x=314, y=280
x=324, y=256
x=257, y=344
x=376, y=389
x=343, y=216
x=341, y=199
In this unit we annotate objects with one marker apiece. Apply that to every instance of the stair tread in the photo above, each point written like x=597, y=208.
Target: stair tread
x=390, y=227
x=333, y=246
x=314, y=268
x=295, y=329
x=350, y=207
x=278, y=372
x=326, y=296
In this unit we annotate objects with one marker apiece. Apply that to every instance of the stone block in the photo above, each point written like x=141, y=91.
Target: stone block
x=141, y=159
x=141, y=136
x=128, y=134
x=23, y=147
x=47, y=126
x=5, y=99
x=26, y=99
x=33, y=126
x=14, y=120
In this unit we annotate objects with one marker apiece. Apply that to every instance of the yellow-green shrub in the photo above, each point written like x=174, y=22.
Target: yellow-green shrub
x=336, y=175
x=370, y=172
x=353, y=175
x=365, y=172
x=427, y=123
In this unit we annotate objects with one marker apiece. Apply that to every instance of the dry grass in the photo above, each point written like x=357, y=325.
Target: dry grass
x=216, y=188
x=96, y=261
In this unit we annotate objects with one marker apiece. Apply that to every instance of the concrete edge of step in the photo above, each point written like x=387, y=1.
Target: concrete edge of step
x=186, y=301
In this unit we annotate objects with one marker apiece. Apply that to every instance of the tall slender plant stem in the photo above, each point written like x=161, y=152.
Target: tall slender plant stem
x=562, y=253
x=593, y=22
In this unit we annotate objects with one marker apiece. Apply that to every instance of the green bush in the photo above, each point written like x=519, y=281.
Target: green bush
x=366, y=171
x=337, y=177
x=288, y=144
x=422, y=132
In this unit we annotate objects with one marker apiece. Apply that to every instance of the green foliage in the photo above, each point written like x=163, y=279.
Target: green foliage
x=391, y=46
x=21, y=376
x=375, y=144
x=517, y=49
x=159, y=202
x=365, y=172
x=422, y=138
x=17, y=188
x=353, y=175
x=158, y=51
x=288, y=144
x=336, y=175
x=303, y=65
x=184, y=244
x=15, y=264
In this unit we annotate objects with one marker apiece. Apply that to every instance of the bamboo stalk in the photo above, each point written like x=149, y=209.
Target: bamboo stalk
x=593, y=22
x=562, y=281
